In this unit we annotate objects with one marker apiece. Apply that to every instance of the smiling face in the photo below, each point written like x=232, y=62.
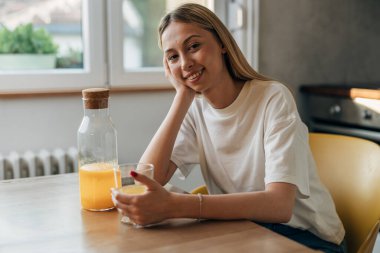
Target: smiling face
x=194, y=56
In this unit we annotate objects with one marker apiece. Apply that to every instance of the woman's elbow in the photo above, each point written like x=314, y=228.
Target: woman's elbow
x=280, y=217
x=283, y=201
x=286, y=216
x=286, y=213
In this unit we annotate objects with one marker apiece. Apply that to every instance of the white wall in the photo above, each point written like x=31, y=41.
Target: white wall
x=35, y=123
x=43, y=122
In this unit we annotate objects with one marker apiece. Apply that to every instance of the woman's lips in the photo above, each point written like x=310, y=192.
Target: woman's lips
x=194, y=76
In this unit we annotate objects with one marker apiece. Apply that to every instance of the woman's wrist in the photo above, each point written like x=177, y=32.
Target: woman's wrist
x=186, y=94
x=184, y=206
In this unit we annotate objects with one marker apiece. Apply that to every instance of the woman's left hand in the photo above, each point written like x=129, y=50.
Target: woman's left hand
x=148, y=208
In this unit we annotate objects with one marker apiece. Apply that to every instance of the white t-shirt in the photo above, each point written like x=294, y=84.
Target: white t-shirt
x=258, y=139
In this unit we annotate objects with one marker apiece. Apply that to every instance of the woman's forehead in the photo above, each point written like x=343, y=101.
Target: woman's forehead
x=178, y=32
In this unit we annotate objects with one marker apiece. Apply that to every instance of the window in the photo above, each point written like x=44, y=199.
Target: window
x=75, y=27
x=41, y=28
x=104, y=42
x=243, y=22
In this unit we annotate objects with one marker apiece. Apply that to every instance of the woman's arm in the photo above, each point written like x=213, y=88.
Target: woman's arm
x=160, y=148
x=274, y=204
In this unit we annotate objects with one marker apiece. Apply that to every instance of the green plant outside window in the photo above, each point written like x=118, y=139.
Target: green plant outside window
x=24, y=39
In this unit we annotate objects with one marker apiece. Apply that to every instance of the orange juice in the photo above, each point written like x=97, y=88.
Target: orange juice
x=133, y=189
x=95, y=182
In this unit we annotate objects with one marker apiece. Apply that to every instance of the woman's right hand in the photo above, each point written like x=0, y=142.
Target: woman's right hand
x=180, y=86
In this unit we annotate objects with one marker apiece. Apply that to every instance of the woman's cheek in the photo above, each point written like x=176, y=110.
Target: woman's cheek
x=176, y=73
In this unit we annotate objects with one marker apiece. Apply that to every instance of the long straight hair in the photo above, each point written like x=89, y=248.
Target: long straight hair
x=236, y=63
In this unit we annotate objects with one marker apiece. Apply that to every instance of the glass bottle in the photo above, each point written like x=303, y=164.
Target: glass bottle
x=97, y=151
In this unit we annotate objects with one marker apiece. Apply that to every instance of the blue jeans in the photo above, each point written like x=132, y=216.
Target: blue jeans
x=306, y=238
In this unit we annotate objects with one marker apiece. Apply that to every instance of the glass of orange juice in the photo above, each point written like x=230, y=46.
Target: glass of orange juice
x=125, y=184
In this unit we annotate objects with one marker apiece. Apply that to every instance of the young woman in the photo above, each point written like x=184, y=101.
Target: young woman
x=244, y=131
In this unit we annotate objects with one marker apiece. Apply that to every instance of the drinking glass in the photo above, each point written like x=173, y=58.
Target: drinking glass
x=125, y=183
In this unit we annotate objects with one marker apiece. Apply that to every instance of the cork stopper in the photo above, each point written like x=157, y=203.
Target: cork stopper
x=95, y=98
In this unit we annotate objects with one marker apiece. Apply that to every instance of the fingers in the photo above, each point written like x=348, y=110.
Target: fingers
x=168, y=74
x=125, y=204
x=123, y=208
x=166, y=66
x=177, y=83
x=120, y=203
x=151, y=184
x=124, y=198
x=130, y=212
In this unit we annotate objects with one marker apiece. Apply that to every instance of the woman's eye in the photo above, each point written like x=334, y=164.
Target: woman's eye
x=172, y=57
x=194, y=46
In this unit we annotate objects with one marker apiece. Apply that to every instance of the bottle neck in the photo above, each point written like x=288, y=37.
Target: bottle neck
x=97, y=112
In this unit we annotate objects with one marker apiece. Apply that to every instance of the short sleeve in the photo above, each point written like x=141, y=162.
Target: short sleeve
x=286, y=144
x=185, y=152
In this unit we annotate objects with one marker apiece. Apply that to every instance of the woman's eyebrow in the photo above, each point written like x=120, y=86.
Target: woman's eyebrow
x=185, y=41
x=190, y=37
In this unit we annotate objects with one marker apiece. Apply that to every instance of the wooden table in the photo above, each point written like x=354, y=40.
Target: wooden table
x=43, y=214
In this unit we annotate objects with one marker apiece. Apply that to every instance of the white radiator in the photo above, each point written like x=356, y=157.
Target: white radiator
x=41, y=163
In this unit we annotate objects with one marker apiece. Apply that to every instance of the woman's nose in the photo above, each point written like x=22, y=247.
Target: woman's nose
x=187, y=63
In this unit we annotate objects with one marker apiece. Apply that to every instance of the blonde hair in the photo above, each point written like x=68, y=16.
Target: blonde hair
x=236, y=63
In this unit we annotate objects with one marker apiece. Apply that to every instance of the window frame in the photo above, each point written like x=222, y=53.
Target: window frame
x=92, y=75
x=247, y=33
x=117, y=75
x=102, y=26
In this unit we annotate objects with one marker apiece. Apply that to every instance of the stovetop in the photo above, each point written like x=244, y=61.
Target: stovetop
x=371, y=86
x=370, y=91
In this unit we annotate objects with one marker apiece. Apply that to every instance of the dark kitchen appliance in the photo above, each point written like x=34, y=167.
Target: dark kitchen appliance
x=343, y=109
